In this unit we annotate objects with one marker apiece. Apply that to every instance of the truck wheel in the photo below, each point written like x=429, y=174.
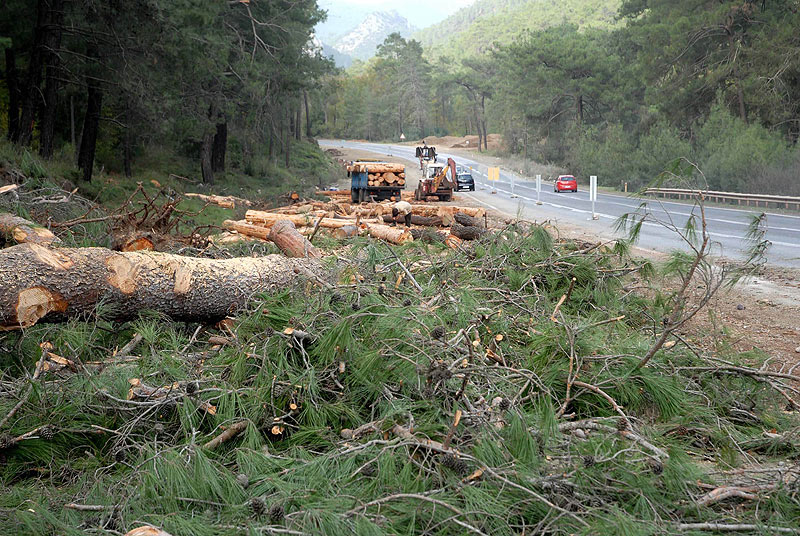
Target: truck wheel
x=354, y=195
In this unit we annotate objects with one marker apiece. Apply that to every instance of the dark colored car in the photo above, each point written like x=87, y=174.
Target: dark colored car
x=565, y=183
x=464, y=181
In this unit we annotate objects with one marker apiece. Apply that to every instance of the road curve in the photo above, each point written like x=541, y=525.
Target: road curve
x=727, y=226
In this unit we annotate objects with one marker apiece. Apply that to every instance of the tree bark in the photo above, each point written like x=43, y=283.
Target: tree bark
x=467, y=220
x=298, y=120
x=390, y=234
x=127, y=151
x=287, y=139
x=52, y=285
x=31, y=95
x=465, y=233
x=483, y=122
x=51, y=45
x=12, y=83
x=206, y=168
x=308, y=114
x=21, y=231
x=347, y=231
x=425, y=221
x=91, y=125
x=268, y=219
x=219, y=148
x=284, y=235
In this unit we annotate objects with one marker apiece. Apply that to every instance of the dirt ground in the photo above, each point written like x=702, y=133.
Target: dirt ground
x=762, y=312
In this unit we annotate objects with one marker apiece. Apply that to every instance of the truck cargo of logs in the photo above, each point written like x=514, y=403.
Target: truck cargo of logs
x=386, y=179
x=38, y=283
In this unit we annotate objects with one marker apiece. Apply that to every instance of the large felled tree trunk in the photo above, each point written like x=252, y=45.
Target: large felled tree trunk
x=91, y=126
x=42, y=284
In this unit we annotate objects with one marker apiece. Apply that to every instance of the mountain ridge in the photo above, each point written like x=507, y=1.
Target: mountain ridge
x=474, y=29
x=361, y=41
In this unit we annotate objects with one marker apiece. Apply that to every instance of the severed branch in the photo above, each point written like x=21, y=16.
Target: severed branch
x=231, y=432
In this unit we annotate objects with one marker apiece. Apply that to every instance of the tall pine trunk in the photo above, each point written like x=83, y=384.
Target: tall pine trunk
x=219, y=147
x=32, y=96
x=205, y=158
x=12, y=83
x=127, y=145
x=298, y=121
x=52, y=44
x=483, y=122
x=288, y=138
x=91, y=125
x=308, y=114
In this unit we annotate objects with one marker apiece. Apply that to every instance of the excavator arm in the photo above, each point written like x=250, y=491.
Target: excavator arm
x=451, y=166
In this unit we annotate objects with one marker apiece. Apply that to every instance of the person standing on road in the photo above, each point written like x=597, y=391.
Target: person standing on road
x=402, y=208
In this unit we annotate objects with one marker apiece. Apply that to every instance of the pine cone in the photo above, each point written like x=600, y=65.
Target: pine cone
x=191, y=387
x=456, y=465
x=657, y=467
x=368, y=470
x=47, y=432
x=276, y=513
x=336, y=297
x=588, y=461
x=355, y=306
x=622, y=425
x=6, y=441
x=258, y=507
x=505, y=404
x=407, y=303
x=438, y=332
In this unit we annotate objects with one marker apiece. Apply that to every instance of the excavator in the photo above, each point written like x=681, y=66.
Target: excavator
x=439, y=180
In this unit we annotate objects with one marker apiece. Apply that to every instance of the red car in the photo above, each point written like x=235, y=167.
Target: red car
x=565, y=183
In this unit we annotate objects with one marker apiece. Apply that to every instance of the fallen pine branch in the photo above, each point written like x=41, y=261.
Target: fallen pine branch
x=229, y=433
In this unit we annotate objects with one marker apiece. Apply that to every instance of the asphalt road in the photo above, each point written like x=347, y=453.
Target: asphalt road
x=727, y=226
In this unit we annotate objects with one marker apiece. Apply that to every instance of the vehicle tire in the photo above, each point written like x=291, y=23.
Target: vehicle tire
x=354, y=195
x=472, y=189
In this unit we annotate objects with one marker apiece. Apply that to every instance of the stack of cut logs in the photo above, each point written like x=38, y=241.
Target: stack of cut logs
x=341, y=220
x=381, y=174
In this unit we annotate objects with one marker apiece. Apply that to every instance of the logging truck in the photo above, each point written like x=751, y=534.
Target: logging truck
x=376, y=181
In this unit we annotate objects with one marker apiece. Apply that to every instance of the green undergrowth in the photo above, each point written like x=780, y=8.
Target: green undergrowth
x=158, y=170
x=485, y=336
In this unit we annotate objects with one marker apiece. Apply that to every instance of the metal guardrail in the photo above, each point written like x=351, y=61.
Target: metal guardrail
x=758, y=200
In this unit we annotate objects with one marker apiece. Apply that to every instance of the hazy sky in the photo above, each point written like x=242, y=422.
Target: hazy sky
x=345, y=14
